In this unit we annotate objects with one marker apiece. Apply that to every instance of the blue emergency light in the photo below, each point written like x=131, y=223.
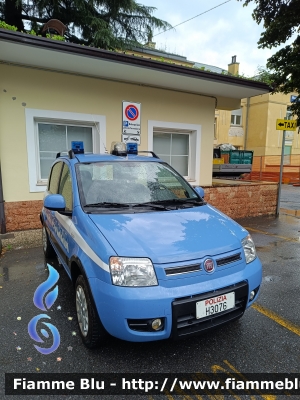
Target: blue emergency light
x=77, y=147
x=132, y=148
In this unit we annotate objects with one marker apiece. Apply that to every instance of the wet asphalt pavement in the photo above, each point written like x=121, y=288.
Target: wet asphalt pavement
x=265, y=340
x=290, y=197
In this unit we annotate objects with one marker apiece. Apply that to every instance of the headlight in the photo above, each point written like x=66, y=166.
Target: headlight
x=132, y=271
x=249, y=249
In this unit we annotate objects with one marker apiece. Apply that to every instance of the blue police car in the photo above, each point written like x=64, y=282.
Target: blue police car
x=148, y=257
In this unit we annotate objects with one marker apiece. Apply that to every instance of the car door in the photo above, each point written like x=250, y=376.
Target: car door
x=64, y=220
x=49, y=217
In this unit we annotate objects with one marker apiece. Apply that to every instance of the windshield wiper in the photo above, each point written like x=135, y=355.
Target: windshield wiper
x=179, y=202
x=107, y=204
x=151, y=204
x=159, y=204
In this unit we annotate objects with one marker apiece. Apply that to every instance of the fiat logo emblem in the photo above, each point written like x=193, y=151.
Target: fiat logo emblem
x=209, y=265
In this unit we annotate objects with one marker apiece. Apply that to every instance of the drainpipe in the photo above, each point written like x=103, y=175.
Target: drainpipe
x=246, y=125
x=2, y=213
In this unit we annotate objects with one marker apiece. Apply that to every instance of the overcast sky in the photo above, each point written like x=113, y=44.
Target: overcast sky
x=212, y=38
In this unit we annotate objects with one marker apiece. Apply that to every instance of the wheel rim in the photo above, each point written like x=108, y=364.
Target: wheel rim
x=44, y=239
x=82, y=310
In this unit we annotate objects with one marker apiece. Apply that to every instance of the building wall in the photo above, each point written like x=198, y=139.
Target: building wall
x=258, y=109
x=246, y=200
x=225, y=133
x=26, y=88
x=222, y=126
x=277, y=110
x=259, y=132
x=23, y=215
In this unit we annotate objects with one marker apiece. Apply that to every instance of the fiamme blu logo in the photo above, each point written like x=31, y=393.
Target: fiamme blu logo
x=44, y=297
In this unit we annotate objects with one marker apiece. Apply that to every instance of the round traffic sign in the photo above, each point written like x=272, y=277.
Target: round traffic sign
x=131, y=112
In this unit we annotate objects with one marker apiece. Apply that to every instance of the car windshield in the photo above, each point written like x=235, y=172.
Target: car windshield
x=126, y=183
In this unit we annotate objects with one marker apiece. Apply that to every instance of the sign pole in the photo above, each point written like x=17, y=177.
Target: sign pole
x=280, y=175
x=291, y=125
x=131, y=122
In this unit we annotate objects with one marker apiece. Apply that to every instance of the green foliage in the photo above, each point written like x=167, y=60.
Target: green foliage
x=281, y=21
x=55, y=37
x=264, y=75
x=107, y=24
x=202, y=69
x=4, y=25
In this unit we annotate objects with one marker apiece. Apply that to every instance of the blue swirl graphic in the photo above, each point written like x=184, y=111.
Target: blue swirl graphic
x=32, y=330
x=44, y=333
x=44, y=288
x=43, y=299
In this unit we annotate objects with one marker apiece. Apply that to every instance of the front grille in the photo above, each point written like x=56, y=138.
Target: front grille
x=184, y=311
x=228, y=260
x=182, y=270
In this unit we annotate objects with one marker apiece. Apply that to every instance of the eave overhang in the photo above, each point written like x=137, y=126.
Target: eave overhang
x=33, y=51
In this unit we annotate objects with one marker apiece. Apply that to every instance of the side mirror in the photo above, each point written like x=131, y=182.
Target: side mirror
x=55, y=202
x=200, y=191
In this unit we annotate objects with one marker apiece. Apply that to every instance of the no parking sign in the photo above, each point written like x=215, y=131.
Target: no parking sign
x=131, y=122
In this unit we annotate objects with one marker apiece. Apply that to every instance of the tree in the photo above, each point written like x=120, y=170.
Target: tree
x=108, y=24
x=281, y=21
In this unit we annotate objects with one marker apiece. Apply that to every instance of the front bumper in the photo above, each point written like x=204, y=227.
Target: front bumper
x=176, y=305
x=184, y=321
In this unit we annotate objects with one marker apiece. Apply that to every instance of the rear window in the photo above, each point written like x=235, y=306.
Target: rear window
x=54, y=178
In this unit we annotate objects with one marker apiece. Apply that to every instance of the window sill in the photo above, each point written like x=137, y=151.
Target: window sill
x=42, y=183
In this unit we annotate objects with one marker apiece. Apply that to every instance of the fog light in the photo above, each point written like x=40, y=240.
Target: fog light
x=156, y=324
x=252, y=295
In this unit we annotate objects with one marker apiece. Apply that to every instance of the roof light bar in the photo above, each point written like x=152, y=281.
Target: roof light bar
x=132, y=148
x=77, y=147
x=118, y=149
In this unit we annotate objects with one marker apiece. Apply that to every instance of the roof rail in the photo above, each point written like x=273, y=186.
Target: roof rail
x=61, y=153
x=151, y=152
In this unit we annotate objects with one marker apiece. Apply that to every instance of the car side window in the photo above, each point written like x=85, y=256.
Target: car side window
x=54, y=178
x=65, y=187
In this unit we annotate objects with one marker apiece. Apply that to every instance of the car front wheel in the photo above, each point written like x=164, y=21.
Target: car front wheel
x=91, y=329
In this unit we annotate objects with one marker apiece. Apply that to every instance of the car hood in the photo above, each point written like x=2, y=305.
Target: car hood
x=171, y=236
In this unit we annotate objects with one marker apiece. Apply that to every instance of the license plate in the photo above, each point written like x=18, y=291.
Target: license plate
x=215, y=305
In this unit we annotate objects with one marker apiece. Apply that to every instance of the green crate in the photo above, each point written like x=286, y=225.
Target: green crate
x=239, y=156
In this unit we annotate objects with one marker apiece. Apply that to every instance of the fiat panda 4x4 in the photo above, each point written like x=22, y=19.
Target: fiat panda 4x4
x=148, y=257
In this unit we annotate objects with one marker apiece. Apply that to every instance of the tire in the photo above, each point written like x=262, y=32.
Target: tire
x=47, y=246
x=91, y=329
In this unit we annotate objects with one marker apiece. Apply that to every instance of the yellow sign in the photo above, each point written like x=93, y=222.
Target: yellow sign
x=286, y=124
